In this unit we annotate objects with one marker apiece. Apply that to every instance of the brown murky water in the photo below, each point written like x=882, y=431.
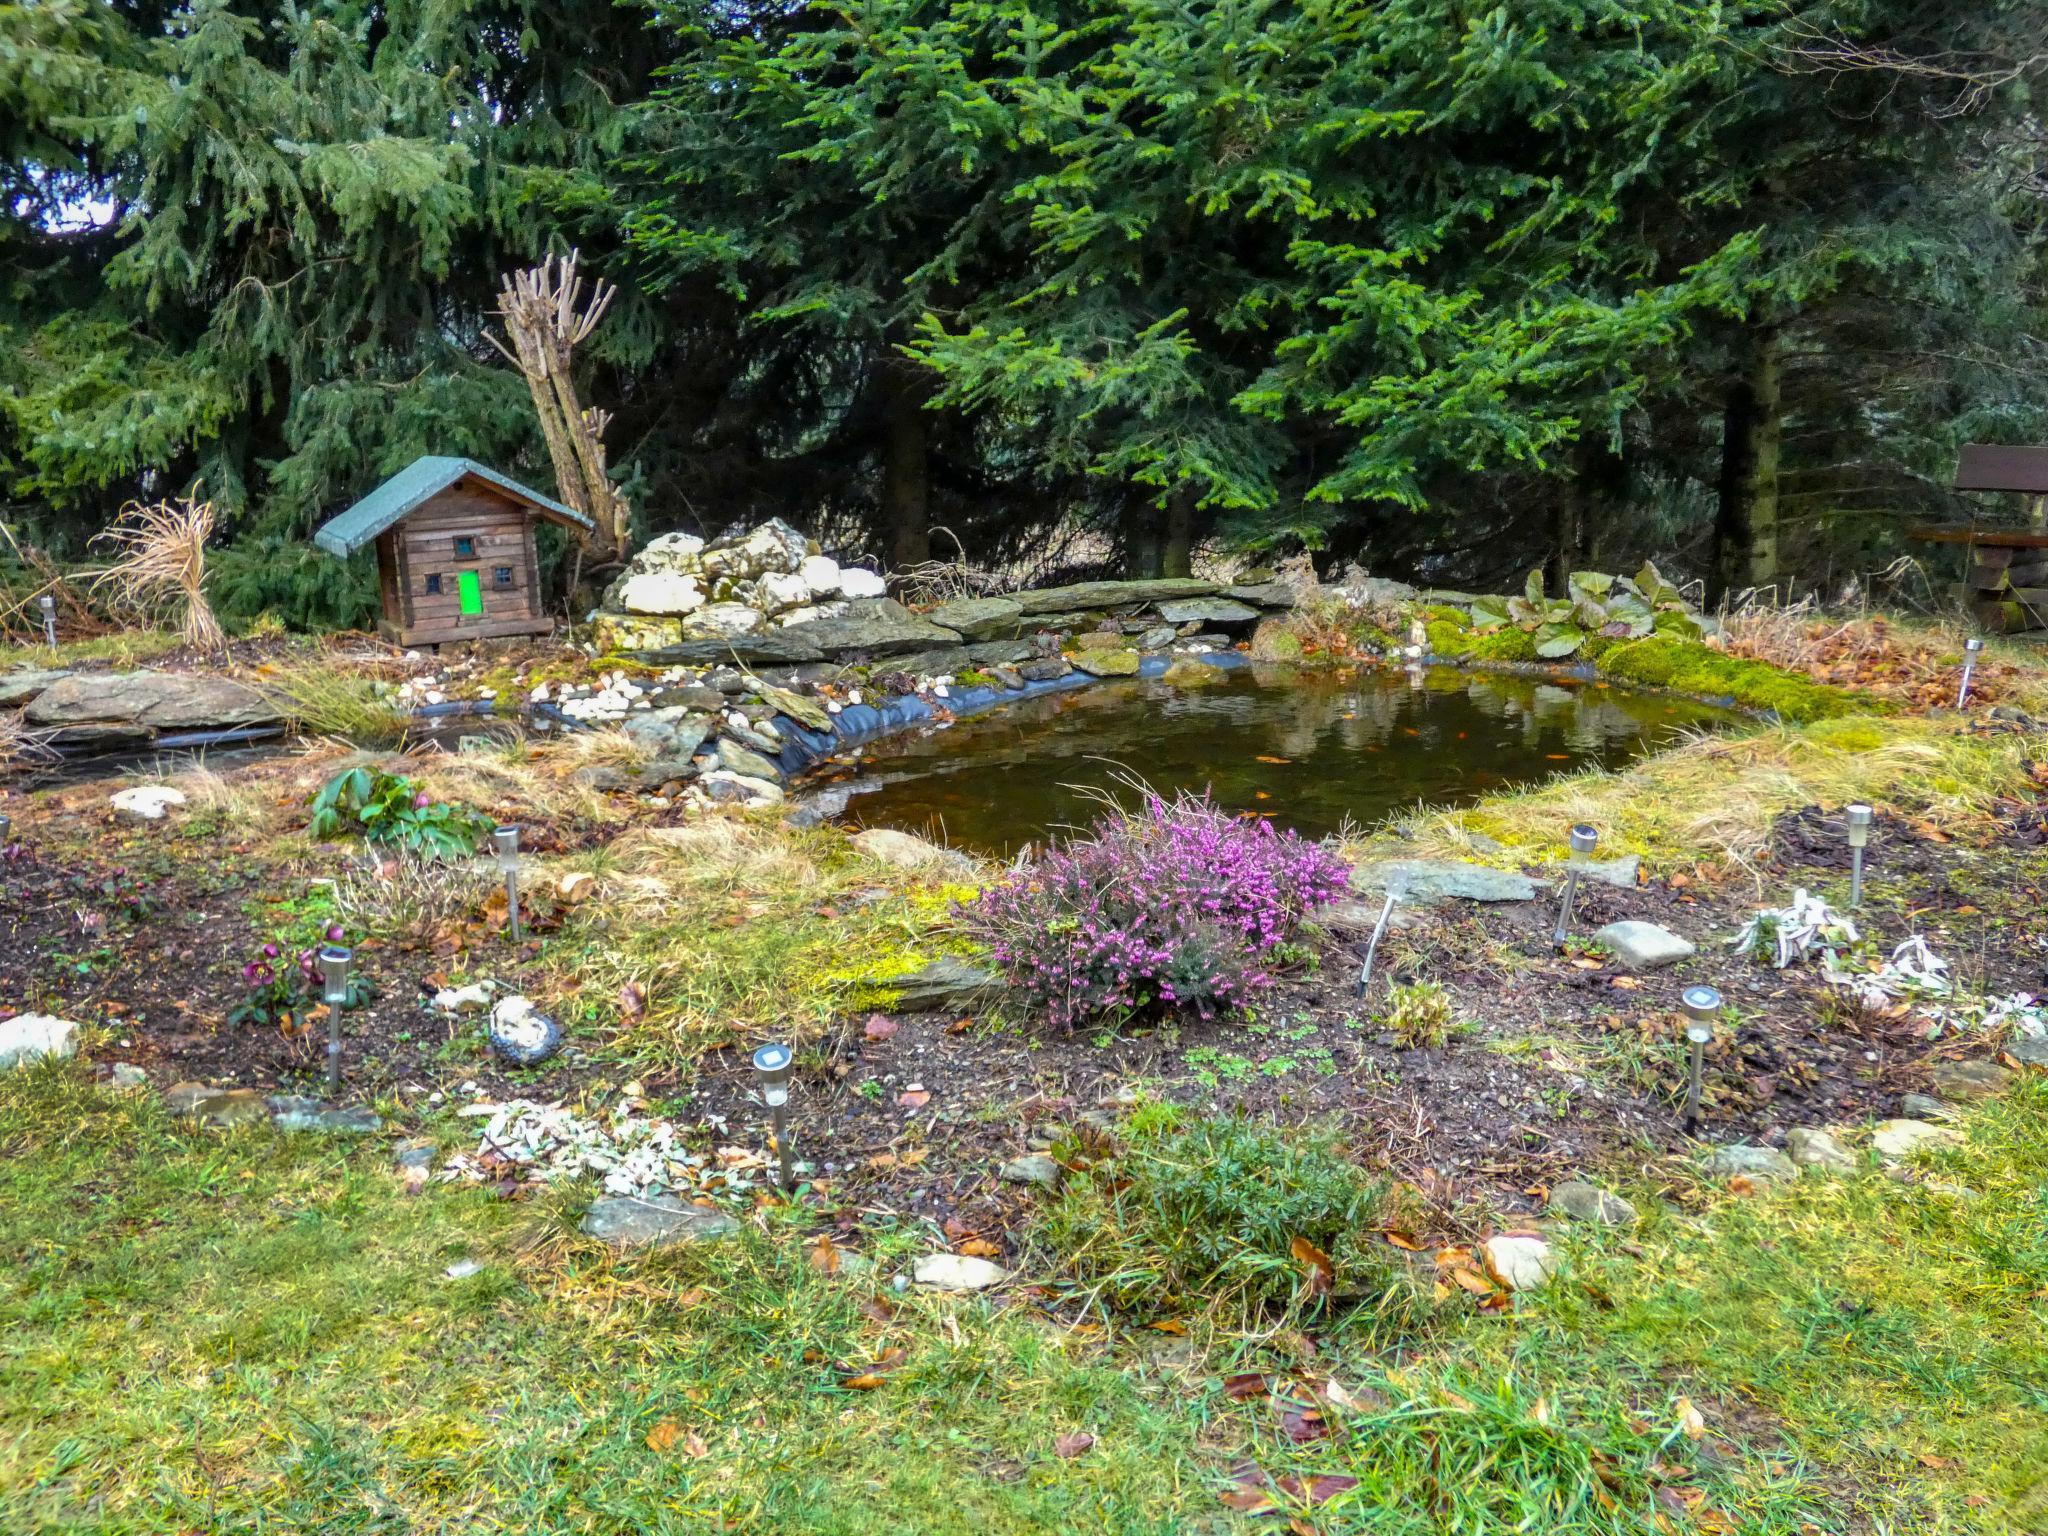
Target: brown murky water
x=1313, y=751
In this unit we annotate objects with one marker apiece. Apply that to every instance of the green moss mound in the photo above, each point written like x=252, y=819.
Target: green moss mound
x=1662, y=662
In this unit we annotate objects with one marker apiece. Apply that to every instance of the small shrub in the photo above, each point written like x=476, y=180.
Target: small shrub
x=1178, y=906
x=1419, y=1014
x=1213, y=1210
x=281, y=991
x=388, y=808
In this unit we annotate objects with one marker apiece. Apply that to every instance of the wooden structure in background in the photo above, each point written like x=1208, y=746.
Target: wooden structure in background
x=2006, y=584
x=455, y=551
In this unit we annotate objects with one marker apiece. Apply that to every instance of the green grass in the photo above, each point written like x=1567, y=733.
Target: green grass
x=123, y=648
x=206, y=1331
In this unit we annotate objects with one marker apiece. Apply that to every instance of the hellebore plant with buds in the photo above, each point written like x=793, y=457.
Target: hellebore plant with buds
x=283, y=987
x=390, y=808
x=1178, y=906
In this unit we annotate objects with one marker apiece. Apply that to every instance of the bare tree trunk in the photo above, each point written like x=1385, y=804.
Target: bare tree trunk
x=1178, y=557
x=1746, y=525
x=906, y=474
x=545, y=318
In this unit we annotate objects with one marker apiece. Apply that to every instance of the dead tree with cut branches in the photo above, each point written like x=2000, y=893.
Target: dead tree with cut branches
x=546, y=316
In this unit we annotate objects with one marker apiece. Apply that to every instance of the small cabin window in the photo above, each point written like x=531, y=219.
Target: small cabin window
x=501, y=576
x=434, y=585
x=465, y=544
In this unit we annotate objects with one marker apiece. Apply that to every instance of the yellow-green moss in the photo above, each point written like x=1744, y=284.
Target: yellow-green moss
x=1662, y=662
x=1857, y=735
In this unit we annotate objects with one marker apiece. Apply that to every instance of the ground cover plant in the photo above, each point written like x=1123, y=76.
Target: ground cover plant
x=389, y=808
x=1177, y=905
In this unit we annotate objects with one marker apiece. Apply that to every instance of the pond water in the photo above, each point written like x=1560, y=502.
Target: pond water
x=1314, y=752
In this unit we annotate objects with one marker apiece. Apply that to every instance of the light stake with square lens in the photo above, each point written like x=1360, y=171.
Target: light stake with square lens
x=1700, y=1006
x=773, y=1064
x=1971, y=648
x=506, y=841
x=49, y=606
x=334, y=963
x=1583, y=838
x=1858, y=818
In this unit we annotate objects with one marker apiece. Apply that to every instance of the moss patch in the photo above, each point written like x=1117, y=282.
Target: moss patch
x=1662, y=662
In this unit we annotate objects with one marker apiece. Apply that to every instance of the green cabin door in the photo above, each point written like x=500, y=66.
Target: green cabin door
x=469, y=595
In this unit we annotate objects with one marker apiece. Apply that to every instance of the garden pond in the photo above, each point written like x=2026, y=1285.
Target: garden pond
x=1315, y=752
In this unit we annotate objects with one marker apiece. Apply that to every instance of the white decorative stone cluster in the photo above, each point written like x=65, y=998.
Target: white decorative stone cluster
x=629, y=1155
x=767, y=576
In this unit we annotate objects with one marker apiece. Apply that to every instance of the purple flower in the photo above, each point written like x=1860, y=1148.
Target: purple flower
x=335, y=933
x=422, y=800
x=271, y=951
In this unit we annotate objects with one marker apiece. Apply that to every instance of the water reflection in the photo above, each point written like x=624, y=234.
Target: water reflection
x=1312, y=752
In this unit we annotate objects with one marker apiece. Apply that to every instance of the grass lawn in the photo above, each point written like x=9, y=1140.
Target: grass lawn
x=240, y=1331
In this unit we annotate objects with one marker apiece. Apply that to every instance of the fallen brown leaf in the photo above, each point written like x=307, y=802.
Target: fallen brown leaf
x=1067, y=1447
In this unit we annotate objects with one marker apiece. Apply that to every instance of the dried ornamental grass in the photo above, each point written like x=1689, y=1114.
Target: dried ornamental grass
x=163, y=562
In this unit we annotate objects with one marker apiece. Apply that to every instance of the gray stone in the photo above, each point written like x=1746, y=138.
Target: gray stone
x=161, y=700
x=1158, y=639
x=945, y=985
x=1045, y=669
x=1000, y=653
x=1107, y=663
x=1264, y=594
x=17, y=688
x=819, y=807
x=291, y=1112
x=125, y=1074
x=605, y=778
x=957, y=1272
x=1102, y=640
x=763, y=646
x=1748, y=1162
x=728, y=788
x=748, y=763
x=728, y=680
x=1922, y=1106
x=979, y=618
x=1520, y=1261
x=1045, y=623
x=1968, y=1081
x=667, y=770
x=1620, y=872
x=413, y=1156
x=1902, y=1138
x=671, y=732
x=871, y=629
x=1814, y=1148
x=940, y=661
x=1643, y=946
x=1208, y=610
x=1009, y=677
x=29, y=1037
x=1190, y=672
x=631, y=1221
x=1589, y=1202
x=801, y=708
x=906, y=850
x=747, y=736
x=1425, y=881
x=1032, y=1168
x=691, y=696
x=1090, y=595
x=2031, y=1051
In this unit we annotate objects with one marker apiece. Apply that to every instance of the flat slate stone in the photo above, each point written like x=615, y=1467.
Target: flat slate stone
x=1813, y=1148
x=1749, y=1162
x=748, y=763
x=979, y=618
x=1432, y=880
x=945, y=984
x=1192, y=672
x=161, y=700
x=873, y=634
x=1208, y=610
x=1968, y=1080
x=631, y=1221
x=1902, y=1138
x=1620, y=872
x=2032, y=1052
x=1264, y=594
x=17, y=688
x=1589, y=1202
x=763, y=647
x=1643, y=946
x=1107, y=663
x=1032, y=1168
x=1087, y=595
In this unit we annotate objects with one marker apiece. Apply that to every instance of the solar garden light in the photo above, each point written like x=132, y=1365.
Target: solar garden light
x=1583, y=838
x=1972, y=648
x=773, y=1064
x=1858, y=818
x=506, y=841
x=334, y=963
x=1699, y=1005
x=1372, y=946
x=6, y=829
x=49, y=606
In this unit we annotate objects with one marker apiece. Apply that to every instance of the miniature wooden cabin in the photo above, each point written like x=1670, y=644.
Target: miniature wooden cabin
x=455, y=551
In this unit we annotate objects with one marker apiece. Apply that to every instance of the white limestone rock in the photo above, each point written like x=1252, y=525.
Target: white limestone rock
x=147, y=802
x=661, y=593
x=857, y=582
x=29, y=1037
x=820, y=574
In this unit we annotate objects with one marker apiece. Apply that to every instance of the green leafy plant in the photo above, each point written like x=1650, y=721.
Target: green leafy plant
x=1616, y=607
x=390, y=808
x=1419, y=1013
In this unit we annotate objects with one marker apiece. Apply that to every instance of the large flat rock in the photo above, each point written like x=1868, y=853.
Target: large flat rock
x=1431, y=880
x=1208, y=610
x=160, y=700
x=979, y=618
x=875, y=633
x=1090, y=595
x=763, y=647
x=17, y=688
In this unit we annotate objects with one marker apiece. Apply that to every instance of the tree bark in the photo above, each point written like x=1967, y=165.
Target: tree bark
x=906, y=474
x=1144, y=531
x=1746, y=524
x=1177, y=558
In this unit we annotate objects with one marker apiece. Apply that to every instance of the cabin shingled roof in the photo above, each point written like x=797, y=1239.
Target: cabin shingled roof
x=412, y=487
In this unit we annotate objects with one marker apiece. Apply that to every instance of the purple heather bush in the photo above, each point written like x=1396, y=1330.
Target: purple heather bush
x=1177, y=906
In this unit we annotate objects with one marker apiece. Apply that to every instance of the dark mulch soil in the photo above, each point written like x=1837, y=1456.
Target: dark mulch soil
x=1565, y=1064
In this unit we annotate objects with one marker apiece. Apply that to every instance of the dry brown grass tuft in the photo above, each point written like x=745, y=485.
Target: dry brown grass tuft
x=163, y=564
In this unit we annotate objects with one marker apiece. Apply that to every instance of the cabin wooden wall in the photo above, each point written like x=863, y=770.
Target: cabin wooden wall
x=423, y=544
